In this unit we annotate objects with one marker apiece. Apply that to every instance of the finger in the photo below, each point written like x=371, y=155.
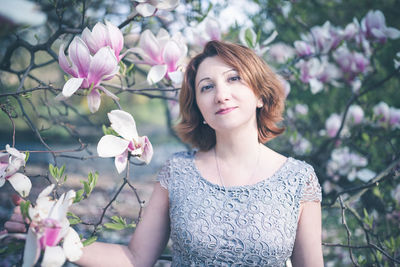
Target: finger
x=17, y=210
x=16, y=199
x=17, y=217
x=14, y=226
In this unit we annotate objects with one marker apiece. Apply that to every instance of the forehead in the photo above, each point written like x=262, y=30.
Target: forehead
x=210, y=67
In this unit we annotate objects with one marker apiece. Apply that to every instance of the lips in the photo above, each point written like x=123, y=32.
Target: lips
x=225, y=110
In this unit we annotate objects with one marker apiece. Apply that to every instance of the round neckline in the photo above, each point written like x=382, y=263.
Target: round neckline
x=271, y=177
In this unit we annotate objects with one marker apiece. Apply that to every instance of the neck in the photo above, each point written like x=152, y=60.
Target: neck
x=237, y=145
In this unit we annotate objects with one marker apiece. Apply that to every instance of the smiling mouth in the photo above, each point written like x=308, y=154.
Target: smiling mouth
x=224, y=110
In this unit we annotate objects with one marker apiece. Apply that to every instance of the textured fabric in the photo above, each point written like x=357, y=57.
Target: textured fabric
x=252, y=225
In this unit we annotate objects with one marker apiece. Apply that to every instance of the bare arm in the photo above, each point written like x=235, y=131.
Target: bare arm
x=307, y=249
x=147, y=242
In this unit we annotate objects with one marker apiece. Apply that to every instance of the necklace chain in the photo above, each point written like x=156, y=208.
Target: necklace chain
x=221, y=180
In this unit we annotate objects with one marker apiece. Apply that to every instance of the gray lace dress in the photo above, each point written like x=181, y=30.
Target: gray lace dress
x=253, y=225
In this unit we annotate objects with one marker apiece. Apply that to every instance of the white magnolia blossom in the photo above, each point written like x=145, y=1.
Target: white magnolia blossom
x=10, y=163
x=49, y=227
x=332, y=124
x=130, y=142
x=355, y=114
x=343, y=162
x=365, y=175
x=148, y=8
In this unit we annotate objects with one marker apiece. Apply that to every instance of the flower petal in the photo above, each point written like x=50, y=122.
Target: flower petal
x=59, y=210
x=31, y=250
x=168, y=5
x=115, y=38
x=45, y=192
x=94, y=100
x=72, y=245
x=21, y=184
x=171, y=55
x=121, y=161
x=151, y=48
x=176, y=77
x=147, y=149
x=64, y=64
x=124, y=124
x=103, y=63
x=53, y=257
x=156, y=73
x=80, y=56
x=111, y=146
x=71, y=86
x=146, y=10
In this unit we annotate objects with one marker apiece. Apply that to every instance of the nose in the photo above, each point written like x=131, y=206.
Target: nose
x=222, y=93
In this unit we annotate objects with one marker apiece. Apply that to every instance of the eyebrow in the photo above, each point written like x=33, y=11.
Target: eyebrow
x=208, y=78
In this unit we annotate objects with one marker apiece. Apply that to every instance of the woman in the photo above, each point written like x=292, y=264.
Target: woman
x=233, y=201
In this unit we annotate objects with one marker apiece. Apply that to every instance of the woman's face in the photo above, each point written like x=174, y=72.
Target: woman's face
x=224, y=99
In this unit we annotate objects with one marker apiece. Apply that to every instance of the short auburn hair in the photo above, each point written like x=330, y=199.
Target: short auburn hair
x=254, y=72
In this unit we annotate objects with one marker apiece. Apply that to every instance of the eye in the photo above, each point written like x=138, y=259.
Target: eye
x=234, y=78
x=206, y=87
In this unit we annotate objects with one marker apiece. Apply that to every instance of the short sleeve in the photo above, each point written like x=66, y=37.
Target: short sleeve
x=165, y=174
x=311, y=188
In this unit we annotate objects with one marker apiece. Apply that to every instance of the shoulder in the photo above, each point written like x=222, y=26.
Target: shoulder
x=309, y=185
x=300, y=166
x=180, y=157
x=176, y=161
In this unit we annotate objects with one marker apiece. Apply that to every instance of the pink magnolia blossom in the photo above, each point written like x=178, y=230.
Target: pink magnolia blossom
x=374, y=27
x=351, y=30
x=382, y=112
x=164, y=53
x=209, y=29
x=324, y=38
x=332, y=124
x=394, y=118
x=88, y=71
x=148, y=8
x=10, y=163
x=103, y=35
x=355, y=114
x=49, y=227
x=345, y=163
x=280, y=52
x=130, y=142
x=316, y=72
x=303, y=49
x=351, y=63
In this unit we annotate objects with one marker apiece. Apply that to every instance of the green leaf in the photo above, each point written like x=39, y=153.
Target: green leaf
x=89, y=241
x=365, y=137
x=51, y=170
x=248, y=36
x=74, y=219
x=86, y=187
x=26, y=156
x=24, y=207
x=114, y=226
x=62, y=169
x=78, y=196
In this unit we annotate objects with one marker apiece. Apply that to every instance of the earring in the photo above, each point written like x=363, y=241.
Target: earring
x=204, y=122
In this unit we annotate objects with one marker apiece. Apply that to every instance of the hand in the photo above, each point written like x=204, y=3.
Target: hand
x=16, y=223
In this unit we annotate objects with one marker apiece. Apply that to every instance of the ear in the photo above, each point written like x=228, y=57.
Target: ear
x=260, y=103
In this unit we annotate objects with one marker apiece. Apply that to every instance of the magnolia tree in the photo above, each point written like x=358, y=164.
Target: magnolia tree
x=340, y=71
